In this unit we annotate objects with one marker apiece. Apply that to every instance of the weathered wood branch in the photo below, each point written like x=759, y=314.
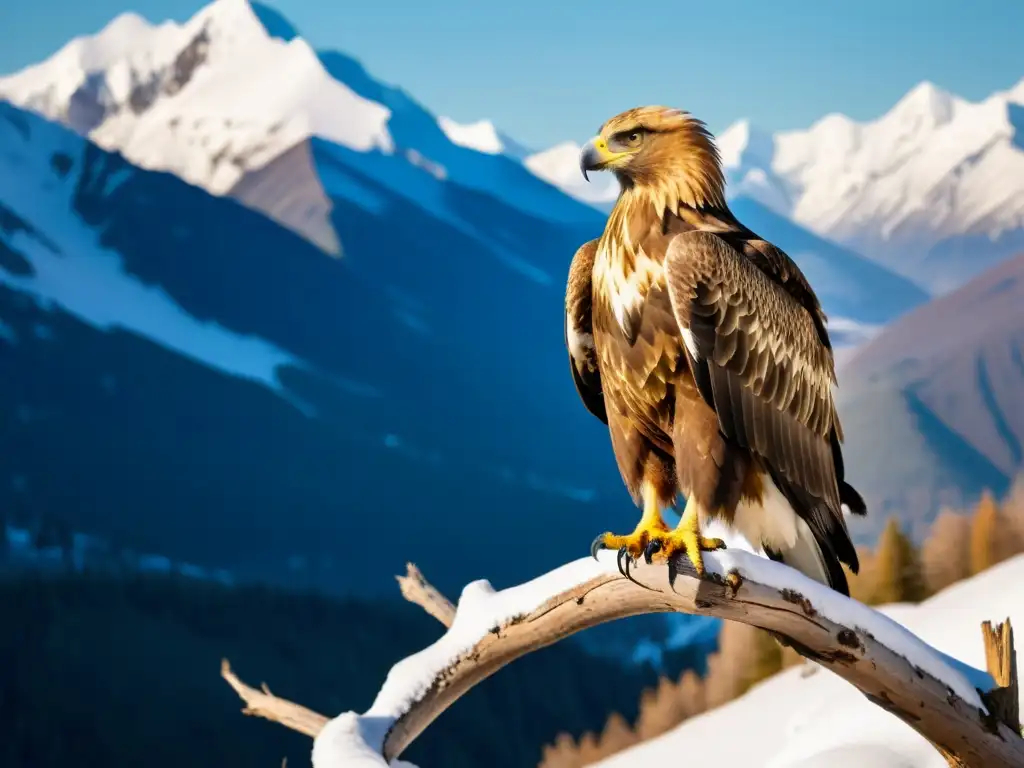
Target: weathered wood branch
x=893, y=668
x=417, y=589
x=1001, y=660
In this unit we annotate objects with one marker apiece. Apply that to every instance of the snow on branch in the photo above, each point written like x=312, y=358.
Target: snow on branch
x=959, y=709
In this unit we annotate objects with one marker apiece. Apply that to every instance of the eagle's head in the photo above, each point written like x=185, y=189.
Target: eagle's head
x=660, y=150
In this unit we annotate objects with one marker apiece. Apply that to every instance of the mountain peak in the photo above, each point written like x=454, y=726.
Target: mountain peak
x=481, y=135
x=1016, y=92
x=743, y=143
x=122, y=29
x=275, y=24
x=925, y=100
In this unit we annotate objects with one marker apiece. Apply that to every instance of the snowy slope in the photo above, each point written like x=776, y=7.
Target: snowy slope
x=799, y=721
x=934, y=188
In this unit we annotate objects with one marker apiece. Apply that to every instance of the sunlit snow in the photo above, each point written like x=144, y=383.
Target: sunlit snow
x=481, y=135
x=356, y=740
x=799, y=720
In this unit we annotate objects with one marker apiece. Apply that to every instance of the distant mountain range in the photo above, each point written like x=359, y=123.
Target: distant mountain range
x=235, y=101
x=261, y=311
x=933, y=189
x=934, y=405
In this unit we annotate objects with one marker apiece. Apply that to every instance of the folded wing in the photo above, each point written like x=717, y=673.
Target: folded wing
x=579, y=330
x=759, y=360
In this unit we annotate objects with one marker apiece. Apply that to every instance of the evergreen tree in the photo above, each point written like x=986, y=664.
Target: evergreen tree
x=862, y=584
x=946, y=554
x=661, y=709
x=984, y=534
x=692, y=696
x=616, y=736
x=897, y=577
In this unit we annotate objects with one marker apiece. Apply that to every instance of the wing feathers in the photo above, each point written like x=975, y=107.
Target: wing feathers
x=579, y=330
x=761, y=364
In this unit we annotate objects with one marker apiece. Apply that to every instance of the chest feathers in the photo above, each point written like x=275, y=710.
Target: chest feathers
x=630, y=261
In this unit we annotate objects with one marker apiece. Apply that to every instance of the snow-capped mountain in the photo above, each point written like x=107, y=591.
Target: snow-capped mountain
x=290, y=118
x=235, y=88
x=560, y=166
x=484, y=137
x=933, y=189
x=206, y=384
x=182, y=363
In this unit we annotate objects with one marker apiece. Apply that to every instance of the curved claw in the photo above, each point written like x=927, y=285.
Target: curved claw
x=625, y=559
x=623, y=562
x=653, y=546
x=597, y=545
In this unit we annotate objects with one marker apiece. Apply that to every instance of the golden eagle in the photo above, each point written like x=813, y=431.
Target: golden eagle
x=705, y=351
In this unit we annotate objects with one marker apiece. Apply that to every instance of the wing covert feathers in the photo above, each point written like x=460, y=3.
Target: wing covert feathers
x=761, y=364
x=579, y=330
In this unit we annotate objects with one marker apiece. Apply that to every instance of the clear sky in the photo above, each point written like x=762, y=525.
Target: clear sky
x=549, y=70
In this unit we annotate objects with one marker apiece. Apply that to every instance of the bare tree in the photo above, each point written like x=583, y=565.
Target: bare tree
x=970, y=716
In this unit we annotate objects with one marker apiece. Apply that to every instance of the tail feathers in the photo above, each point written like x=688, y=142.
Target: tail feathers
x=813, y=559
x=849, y=496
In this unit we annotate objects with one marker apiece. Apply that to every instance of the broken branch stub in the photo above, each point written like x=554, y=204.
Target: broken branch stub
x=931, y=697
x=1003, y=702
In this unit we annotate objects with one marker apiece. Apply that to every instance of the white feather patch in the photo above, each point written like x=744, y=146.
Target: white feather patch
x=774, y=524
x=691, y=343
x=771, y=523
x=626, y=291
x=581, y=345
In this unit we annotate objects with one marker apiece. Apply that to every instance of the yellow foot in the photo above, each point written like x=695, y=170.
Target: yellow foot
x=630, y=547
x=683, y=539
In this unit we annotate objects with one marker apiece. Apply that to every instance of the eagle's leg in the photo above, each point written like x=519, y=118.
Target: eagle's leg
x=651, y=526
x=686, y=537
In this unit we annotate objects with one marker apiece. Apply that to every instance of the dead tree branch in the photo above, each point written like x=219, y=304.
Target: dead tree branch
x=417, y=589
x=893, y=668
x=263, y=703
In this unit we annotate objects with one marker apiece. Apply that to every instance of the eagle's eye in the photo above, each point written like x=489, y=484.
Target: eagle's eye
x=624, y=141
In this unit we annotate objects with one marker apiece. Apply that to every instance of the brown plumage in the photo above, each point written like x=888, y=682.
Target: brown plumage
x=705, y=351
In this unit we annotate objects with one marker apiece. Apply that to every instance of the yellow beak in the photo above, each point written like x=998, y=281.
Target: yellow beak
x=595, y=155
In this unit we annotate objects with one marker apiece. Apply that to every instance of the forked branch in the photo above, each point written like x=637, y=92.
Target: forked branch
x=960, y=710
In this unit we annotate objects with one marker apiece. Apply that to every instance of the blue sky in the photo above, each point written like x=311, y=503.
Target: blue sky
x=552, y=70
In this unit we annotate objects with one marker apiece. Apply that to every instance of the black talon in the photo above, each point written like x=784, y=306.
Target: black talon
x=624, y=562
x=673, y=571
x=623, y=554
x=653, y=546
x=597, y=545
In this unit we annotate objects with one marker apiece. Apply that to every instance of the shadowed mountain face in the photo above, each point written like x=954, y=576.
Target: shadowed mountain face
x=184, y=376
x=934, y=406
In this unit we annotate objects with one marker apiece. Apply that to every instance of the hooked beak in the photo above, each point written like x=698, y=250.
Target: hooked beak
x=594, y=155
